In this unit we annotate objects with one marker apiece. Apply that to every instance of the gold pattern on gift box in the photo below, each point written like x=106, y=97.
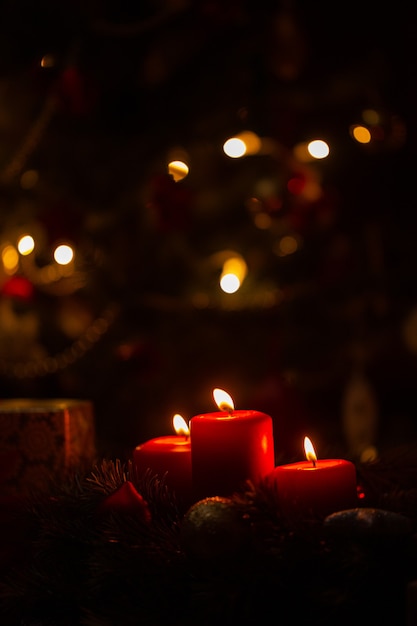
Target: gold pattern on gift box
x=41, y=439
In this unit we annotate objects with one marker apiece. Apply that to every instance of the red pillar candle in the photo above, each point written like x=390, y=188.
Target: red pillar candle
x=315, y=487
x=229, y=447
x=169, y=458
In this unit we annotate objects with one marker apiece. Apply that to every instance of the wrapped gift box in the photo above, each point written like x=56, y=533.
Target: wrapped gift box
x=41, y=439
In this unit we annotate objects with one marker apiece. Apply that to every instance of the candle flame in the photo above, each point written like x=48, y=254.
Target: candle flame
x=180, y=425
x=309, y=451
x=223, y=400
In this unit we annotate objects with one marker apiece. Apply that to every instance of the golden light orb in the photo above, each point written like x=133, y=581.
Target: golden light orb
x=287, y=245
x=361, y=134
x=251, y=140
x=178, y=170
x=10, y=259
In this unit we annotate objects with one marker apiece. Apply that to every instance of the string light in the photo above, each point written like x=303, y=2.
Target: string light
x=52, y=364
x=234, y=148
x=178, y=170
x=63, y=254
x=243, y=144
x=26, y=244
x=229, y=283
x=10, y=259
x=318, y=149
x=233, y=274
x=360, y=134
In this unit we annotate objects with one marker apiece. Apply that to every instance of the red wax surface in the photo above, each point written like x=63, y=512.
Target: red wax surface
x=170, y=458
x=325, y=488
x=227, y=450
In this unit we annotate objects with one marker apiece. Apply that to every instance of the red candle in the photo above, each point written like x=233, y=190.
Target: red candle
x=315, y=487
x=229, y=447
x=169, y=458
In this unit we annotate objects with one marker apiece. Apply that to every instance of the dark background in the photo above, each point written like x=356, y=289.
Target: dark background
x=322, y=338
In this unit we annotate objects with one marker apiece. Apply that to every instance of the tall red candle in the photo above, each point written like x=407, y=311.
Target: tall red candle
x=229, y=447
x=169, y=458
x=315, y=487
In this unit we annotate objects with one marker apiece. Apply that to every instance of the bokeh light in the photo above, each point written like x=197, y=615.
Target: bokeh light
x=234, y=148
x=229, y=283
x=178, y=170
x=26, y=245
x=233, y=274
x=371, y=117
x=47, y=60
x=287, y=245
x=361, y=134
x=63, y=254
x=10, y=259
x=318, y=149
x=29, y=179
x=246, y=142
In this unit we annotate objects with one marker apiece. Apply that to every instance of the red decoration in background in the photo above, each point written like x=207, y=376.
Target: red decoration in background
x=169, y=204
x=140, y=355
x=296, y=184
x=276, y=396
x=77, y=94
x=18, y=287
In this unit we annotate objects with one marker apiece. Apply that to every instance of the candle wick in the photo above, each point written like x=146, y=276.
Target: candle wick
x=313, y=462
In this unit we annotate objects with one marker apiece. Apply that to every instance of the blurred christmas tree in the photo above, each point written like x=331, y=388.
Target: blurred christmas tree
x=97, y=98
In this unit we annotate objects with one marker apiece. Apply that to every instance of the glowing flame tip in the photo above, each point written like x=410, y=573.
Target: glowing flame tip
x=180, y=425
x=309, y=451
x=223, y=400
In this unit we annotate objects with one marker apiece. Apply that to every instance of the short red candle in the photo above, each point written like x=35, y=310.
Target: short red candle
x=228, y=448
x=169, y=458
x=315, y=487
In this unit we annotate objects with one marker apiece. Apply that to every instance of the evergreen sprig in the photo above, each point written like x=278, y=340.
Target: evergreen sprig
x=86, y=565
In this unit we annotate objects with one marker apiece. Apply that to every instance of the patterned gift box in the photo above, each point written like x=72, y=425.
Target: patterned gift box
x=42, y=439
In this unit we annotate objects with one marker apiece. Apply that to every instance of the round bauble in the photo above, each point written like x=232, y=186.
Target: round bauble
x=368, y=523
x=214, y=530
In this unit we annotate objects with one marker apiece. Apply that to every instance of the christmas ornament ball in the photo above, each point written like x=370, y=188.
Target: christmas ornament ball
x=214, y=529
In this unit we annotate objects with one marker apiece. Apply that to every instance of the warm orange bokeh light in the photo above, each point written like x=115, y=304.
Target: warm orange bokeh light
x=361, y=134
x=178, y=170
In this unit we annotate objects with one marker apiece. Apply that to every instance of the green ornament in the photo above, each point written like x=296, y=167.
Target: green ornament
x=214, y=530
